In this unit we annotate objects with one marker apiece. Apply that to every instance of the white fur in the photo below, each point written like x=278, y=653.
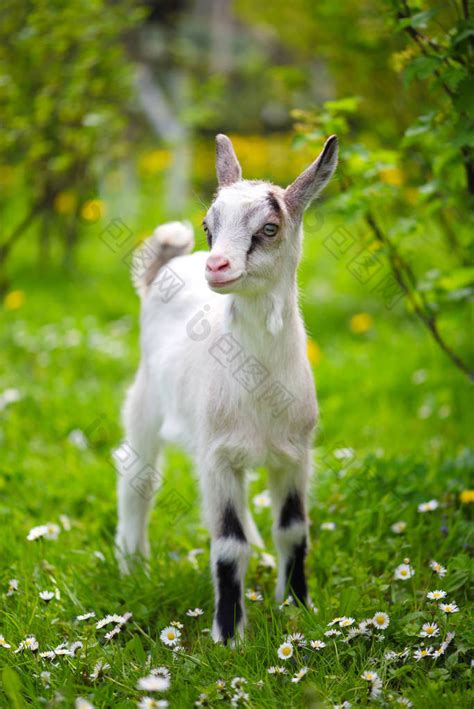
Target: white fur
x=189, y=393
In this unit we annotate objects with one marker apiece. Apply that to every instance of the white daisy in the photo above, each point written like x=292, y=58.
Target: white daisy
x=29, y=643
x=170, y=635
x=344, y=705
x=82, y=703
x=177, y=624
x=398, y=527
x=262, y=500
x=45, y=677
x=267, y=561
x=334, y=621
x=448, y=607
x=287, y=602
x=285, y=651
x=220, y=684
x=428, y=506
x=297, y=638
x=3, y=643
x=46, y=596
x=317, y=644
x=438, y=569
x=150, y=703
x=436, y=595
x=328, y=526
x=99, y=668
x=332, y=633
x=403, y=572
x=112, y=633
x=12, y=587
x=253, y=595
x=403, y=701
x=238, y=682
x=370, y=676
x=47, y=655
x=114, y=618
x=346, y=622
x=299, y=675
x=429, y=630
x=195, y=613
x=86, y=616
x=48, y=531
x=277, y=670
x=422, y=652
x=380, y=620
x=153, y=683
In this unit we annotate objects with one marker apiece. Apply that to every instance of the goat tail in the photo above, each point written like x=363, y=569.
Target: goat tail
x=167, y=241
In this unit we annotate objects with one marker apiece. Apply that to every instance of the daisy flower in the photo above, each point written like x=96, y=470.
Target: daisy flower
x=150, y=703
x=299, y=675
x=46, y=596
x=448, y=607
x=161, y=671
x=86, y=616
x=346, y=622
x=423, y=652
x=45, y=678
x=220, y=684
x=438, y=569
x=335, y=620
x=429, y=630
x=170, y=635
x=317, y=644
x=274, y=670
x=297, y=638
x=112, y=633
x=195, y=613
x=238, y=682
x=328, y=526
x=285, y=651
x=82, y=703
x=403, y=701
x=398, y=527
x=287, y=602
x=177, y=624
x=254, y=595
x=48, y=531
x=29, y=643
x=99, y=669
x=48, y=655
x=3, y=643
x=403, y=572
x=344, y=705
x=153, y=683
x=381, y=620
x=332, y=633
x=12, y=587
x=370, y=676
x=238, y=697
x=428, y=506
x=436, y=595
x=262, y=500
x=120, y=619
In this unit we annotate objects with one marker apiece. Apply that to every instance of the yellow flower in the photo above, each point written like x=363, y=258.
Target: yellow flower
x=92, y=210
x=466, y=496
x=14, y=300
x=155, y=161
x=391, y=176
x=65, y=203
x=313, y=351
x=361, y=322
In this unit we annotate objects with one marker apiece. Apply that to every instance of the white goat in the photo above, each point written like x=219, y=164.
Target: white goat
x=224, y=373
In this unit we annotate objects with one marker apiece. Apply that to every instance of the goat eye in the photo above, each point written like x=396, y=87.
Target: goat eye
x=208, y=234
x=270, y=229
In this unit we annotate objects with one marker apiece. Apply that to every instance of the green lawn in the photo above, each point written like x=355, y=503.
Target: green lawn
x=387, y=394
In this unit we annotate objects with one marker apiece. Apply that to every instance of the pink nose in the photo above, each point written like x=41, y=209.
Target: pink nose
x=217, y=263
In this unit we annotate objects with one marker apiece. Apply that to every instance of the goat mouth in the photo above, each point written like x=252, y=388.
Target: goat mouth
x=223, y=284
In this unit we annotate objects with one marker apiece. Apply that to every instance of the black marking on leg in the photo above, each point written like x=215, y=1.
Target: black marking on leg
x=292, y=510
x=295, y=574
x=231, y=526
x=229, y=609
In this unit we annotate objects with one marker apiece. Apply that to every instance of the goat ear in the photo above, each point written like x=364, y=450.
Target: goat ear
x=227, y=166
x=313, y=180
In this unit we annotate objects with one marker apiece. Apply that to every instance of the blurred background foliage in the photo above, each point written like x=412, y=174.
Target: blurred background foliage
x=109, y=111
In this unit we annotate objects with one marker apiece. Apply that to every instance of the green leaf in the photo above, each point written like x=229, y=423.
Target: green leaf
x=12, y=686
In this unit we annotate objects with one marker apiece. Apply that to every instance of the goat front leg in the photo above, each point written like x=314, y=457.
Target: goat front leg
x=288, y=487
x=223, y=489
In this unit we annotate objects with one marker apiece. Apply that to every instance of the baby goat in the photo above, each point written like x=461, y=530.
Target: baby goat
x=224, y=373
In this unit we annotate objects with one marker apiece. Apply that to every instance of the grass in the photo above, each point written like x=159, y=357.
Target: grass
x=385, y=392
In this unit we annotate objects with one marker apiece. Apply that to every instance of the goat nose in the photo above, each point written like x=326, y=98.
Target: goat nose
x=217, y=263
